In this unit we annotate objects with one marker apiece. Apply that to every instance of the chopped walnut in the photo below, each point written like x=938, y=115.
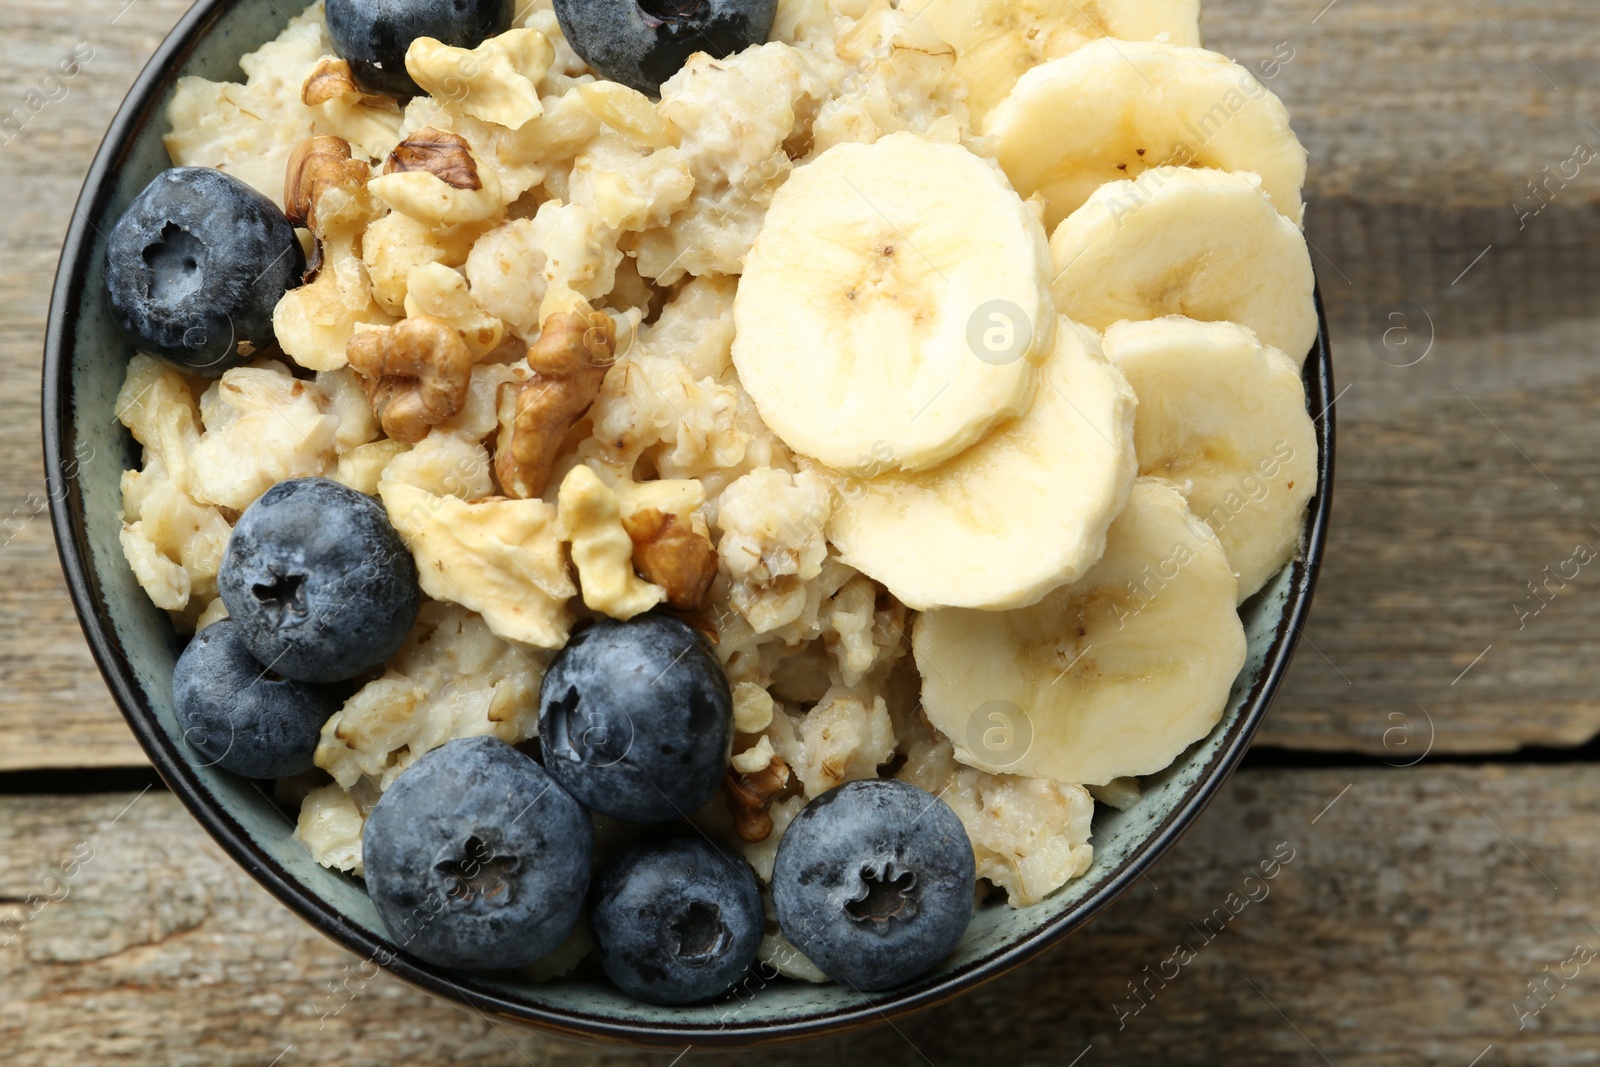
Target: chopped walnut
x=496, y=82
x=327, y=190
x=446, y=156
x=602, y=551
x=317, y=163
x=569, y=360
x=750, y=798
x=669, y=554
x=332, y=80
x=416, y=374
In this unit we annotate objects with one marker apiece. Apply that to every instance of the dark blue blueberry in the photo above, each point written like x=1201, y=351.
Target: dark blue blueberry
x=678, y=921
x=240, y=716
x=373, y=35
x=642, y=43
x=636, y=720
x=322, y=587
x=195, y=267
x=476, y=859
x=873, y=882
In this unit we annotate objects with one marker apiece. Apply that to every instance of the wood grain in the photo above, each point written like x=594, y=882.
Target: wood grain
x=54, y=709
x=1415, y=908
x=1460, y=478
x=1465, y=473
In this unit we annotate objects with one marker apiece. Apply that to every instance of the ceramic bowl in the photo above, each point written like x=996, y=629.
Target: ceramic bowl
x=87, y=449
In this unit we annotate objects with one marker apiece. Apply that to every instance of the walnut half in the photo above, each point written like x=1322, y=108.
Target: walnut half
x=669, y=554
x=446, y=156
x=750, y=798
x=415, y=373
x=569, y=360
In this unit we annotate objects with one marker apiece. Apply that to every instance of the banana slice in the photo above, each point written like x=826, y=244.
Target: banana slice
x=1113, y=676
x=1224, y=419
x=1013, y=517
x=895, y=305
x=1114, y=109
x=997, y=41
x=1205, y=244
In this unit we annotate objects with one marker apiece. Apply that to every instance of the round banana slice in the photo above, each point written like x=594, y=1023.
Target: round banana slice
x=1013, y=517
x=997, y=41
x=1114, y=109
x=1223, y=418
x=1112, y=676
x=895, y=306
x=1204, y=244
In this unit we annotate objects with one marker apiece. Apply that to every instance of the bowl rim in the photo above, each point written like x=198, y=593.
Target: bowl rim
x=66, y=507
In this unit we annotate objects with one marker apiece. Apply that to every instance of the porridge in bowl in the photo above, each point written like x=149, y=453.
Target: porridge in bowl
x=636, y=448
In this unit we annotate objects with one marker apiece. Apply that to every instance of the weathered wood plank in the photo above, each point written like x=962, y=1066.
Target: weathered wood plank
x=54, y=710
x=1464, y=474
x=1416, y=907
x=1462, y=479
x=1426, y=101
x=1425, y=125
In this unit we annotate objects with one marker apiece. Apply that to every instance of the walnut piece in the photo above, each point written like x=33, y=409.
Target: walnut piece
x=314, y=322
x=332, y=80
x=669, y=554
x=750, y=798
x=498, y=81
x=500, y=558
x=446, y=156
x=569, y=360
x=318, y=163
x=601, y=550
x=416, y=374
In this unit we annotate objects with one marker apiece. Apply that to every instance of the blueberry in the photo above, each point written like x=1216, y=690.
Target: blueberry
x=240, y=716
x=873, y=882
x=476, y=859
x=322, y=587
x=642, y=43
x=678, y=921
x=636, y=720
x=373, y=35
x=195, y=267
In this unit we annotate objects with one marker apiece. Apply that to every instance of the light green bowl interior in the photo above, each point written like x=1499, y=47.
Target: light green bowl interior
x=99, y=363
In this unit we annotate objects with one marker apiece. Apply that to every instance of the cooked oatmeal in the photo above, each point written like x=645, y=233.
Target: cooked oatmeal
x=529, y=188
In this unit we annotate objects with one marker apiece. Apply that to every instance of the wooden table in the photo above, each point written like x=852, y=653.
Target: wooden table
x=1422, y=900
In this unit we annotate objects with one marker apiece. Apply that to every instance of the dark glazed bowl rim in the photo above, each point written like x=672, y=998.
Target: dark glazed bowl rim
x=71, y=540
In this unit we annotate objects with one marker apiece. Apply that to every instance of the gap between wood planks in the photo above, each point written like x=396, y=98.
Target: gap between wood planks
x=94, y=780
